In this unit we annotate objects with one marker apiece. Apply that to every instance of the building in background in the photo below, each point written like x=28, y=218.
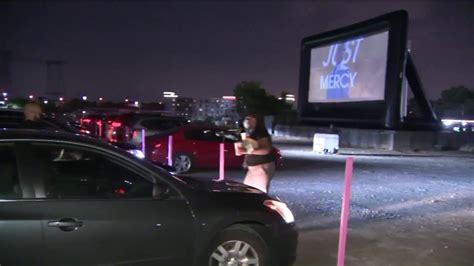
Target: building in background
x=220, y=111
x=183, y=106
x=288, y=98
x=178, y=106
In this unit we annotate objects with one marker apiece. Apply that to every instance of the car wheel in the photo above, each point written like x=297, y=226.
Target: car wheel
x=182, y=163
x=238, y=245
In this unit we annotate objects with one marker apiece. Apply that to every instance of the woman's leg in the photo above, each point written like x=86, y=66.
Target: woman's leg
x=257, y=177
x=269, y=169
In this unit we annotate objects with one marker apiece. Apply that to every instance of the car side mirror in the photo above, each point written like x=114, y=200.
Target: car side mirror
x=160, y=191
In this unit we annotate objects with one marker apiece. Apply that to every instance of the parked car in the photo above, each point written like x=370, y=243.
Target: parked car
x=128, y=127
x=94, y=123
x=73, y=200
x=13, y=118
x=197, y=146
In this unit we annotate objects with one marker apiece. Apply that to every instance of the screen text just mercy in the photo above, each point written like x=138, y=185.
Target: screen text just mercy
x=338, y=57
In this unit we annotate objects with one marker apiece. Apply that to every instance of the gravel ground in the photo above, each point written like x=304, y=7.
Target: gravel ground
x=406, y=209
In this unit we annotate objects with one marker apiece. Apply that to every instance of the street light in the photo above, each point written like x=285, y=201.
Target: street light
x=5, y=94
x=61, y=99
x=126, y=100
x=45, y=101
x=231, y=98
x=170, y=94
x=84, y=98
x=31, y=97
x=101, y=99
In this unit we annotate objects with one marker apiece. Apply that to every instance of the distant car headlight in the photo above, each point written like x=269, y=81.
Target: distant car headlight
x=282, y=209
x=137, y=153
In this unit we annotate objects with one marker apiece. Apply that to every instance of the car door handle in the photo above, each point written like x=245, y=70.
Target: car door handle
x=66, y=224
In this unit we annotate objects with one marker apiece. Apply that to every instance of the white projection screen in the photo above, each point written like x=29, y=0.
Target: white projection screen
x=351, y=70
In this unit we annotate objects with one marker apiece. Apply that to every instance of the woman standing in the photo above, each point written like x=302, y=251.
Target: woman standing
x=257, y=147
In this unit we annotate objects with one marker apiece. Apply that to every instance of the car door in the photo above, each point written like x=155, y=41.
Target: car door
x=205, y=149
x=20, y=220
x=99, y=209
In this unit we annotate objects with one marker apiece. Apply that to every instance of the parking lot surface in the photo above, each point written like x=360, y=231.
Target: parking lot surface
x=405, y=210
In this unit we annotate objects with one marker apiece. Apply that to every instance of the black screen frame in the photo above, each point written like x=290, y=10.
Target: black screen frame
x=378, y=114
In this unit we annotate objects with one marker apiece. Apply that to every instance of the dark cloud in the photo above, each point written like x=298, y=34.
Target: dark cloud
x=123, y=49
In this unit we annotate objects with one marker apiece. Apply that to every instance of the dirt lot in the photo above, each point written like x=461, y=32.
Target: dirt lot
x=415, y=209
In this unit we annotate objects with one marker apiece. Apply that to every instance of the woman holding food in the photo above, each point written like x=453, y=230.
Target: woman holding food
x=257, y=147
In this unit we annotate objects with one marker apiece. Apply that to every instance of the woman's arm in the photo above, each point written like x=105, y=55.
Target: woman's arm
x=264, y=146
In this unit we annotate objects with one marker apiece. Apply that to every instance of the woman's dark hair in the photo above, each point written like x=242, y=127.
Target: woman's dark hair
x=260, y=127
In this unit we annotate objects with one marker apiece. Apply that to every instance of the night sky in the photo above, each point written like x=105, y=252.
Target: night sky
x=119, y=49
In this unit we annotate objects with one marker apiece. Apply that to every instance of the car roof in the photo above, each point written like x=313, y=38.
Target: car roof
x=186, y=128
x=31, y=134
x=201, y=126
x=11, y=112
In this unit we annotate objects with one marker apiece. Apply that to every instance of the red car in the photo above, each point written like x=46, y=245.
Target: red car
x=196, y=147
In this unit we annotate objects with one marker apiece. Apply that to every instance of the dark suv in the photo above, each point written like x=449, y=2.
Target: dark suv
x=73, y=200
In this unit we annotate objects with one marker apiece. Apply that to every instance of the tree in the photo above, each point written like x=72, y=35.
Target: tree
x=456, y=94
x=253, y=98
x=18, y=102
x=455, y=101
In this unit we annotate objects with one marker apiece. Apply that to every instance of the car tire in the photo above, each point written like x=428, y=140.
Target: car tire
x=182, y=162
x=238, y=243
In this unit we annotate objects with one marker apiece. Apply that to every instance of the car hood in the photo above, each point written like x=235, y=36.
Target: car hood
x=226, y=186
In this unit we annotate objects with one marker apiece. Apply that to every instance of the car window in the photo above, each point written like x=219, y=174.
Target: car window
x=197, y=134
x=9, y=183
x=209, y=135
x=74, y=172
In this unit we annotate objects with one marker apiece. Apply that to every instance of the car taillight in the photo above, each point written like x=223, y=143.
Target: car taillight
x=84, y=131
x=157, y=145
x=116, y=124
x=120, y=190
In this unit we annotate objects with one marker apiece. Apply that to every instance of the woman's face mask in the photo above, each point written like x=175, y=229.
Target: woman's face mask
x=246, y=124
x=249, y=123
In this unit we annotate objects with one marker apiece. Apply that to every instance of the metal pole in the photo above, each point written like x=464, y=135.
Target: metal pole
x=345, y=212
x=143, y=141
x=221, y=161
x=170, y=150
x=99, y=124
